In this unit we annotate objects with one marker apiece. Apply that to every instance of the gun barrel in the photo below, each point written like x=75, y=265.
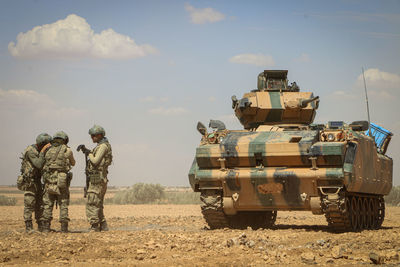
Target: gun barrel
x=305, y=102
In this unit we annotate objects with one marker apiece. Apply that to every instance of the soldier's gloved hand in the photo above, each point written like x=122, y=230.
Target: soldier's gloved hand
x=83, y=149
x=86, y=151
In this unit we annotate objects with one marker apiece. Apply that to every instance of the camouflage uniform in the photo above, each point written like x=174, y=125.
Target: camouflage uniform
x=98, y=161
x=29, y=181
x=58, y=161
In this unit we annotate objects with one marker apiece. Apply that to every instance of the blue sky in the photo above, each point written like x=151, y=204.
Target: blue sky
x=149, y=70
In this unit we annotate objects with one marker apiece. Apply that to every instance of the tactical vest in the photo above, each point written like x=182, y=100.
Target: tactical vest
x=100, y=171
x=28, y=171
x=55, y=159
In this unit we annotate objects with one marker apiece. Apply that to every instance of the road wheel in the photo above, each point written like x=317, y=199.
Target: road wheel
x=371, y=213
x=368, y=212
x=355, y=214
x=361, y=216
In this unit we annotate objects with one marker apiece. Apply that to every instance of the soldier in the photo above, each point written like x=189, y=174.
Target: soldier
x=57, y=178
x=29, y=180
x=97, y=169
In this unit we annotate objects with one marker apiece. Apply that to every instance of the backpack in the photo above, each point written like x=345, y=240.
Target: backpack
x=28, y=172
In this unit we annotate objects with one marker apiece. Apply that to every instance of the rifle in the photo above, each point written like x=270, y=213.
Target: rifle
x=86, y=152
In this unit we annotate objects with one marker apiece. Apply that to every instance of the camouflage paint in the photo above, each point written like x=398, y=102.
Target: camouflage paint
x=275, y=114
x=280, y=160
x=192, y=173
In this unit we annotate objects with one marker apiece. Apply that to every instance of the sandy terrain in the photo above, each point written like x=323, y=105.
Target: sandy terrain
x=168, y=235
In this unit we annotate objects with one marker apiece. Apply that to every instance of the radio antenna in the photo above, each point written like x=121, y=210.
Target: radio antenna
x=366, y=100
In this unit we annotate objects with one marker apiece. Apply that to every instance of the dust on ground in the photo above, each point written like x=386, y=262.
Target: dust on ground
x=171, y=235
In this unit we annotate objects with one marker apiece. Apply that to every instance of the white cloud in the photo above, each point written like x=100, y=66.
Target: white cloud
x=212, y=99
x=343, y=94
x=382, y=94
x=73, y=37
x=203, y=15
x=167, y=111
x=15, y=103
x=253, y=59
x=304, y=58
x=380, y=84
x=378, y=79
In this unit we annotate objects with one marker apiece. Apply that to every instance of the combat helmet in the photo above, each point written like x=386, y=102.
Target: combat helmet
x=97, y=129
x=61, y=135
x=43, y=139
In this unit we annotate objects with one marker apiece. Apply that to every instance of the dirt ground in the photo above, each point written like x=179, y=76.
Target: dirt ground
x=173, y=235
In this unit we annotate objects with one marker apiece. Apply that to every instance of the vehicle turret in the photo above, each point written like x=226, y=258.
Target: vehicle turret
x=275, y=102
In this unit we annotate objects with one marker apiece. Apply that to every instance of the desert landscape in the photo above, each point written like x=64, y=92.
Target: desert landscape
x=177, y=235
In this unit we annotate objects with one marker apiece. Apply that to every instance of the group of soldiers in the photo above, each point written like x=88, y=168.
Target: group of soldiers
x=45, y=179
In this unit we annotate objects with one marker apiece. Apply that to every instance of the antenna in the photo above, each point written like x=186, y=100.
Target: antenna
x=366, y=100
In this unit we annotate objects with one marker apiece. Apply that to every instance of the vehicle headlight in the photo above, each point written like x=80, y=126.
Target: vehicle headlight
x=331, y=137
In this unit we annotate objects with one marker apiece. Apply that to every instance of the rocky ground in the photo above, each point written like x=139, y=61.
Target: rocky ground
x=168, y=235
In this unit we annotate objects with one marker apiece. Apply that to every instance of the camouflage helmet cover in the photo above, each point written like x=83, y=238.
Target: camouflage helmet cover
x=97, y=129
x=62, y=135
x=43, y=139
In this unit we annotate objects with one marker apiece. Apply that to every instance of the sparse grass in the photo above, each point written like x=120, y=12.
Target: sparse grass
x=77, y=201
x=7, y=201
x=179, y=197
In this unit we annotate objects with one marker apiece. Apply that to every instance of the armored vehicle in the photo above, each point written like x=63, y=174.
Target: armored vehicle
x=282, y=161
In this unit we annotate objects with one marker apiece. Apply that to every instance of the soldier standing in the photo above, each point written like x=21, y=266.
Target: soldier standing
x=57, y=178
x=29, y=180
x=97, y=170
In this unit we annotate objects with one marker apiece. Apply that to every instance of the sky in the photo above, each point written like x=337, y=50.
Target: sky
x=148, y=71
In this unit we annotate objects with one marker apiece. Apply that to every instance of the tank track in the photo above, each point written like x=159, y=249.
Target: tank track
x=212, y=210
x=354, y=212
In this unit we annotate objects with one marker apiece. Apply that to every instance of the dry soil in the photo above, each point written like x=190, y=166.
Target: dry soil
x=173, y=235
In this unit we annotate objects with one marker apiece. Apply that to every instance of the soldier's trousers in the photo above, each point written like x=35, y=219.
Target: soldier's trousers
x=63, y=203
x=33, y=203
x=95, y=203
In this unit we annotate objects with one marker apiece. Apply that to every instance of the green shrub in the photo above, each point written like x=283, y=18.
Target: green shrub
x=7, y=201
x=140, y=194
x=182, y=197
x=394, y=196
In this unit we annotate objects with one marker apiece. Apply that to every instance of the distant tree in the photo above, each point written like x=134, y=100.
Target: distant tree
x=140, y=193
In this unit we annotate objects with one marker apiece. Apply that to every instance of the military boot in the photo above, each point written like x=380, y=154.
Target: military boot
x=46, y=226
x=103, y=226
x=28, y=226
x=64, y=227
x=95, y=227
